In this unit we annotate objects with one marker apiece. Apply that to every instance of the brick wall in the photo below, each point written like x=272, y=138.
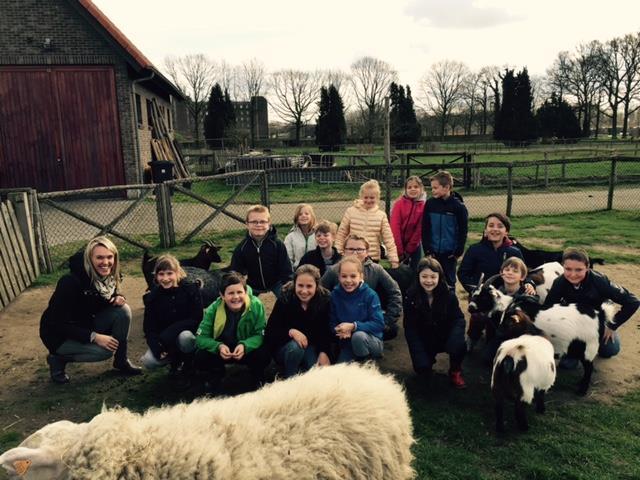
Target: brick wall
x=24, y=27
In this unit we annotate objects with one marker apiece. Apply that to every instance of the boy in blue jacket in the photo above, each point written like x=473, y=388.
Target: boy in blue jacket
x=262, y=256
x=444, y=225
x=356, y=314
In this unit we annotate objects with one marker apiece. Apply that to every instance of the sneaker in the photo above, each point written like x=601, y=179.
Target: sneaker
x=57, y=365
x=127, y=368
x=455, y=377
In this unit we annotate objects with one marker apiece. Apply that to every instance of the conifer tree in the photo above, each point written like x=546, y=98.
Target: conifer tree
x=214, y=120
x=331, y=127
x=557, y=119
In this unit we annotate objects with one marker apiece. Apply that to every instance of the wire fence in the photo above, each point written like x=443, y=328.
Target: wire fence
x=190, y=210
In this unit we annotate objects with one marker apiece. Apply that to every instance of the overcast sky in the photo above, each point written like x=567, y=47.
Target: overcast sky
x=409, y=34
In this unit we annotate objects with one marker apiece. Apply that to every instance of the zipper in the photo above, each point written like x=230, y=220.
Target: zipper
x=264, y=284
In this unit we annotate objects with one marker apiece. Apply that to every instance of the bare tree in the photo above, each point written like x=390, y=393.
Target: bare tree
x=442, y=87
x=613, y=75
x=584, y=80
x=370, y=79
x=193, y=75
x=558, y=74
x=229, y=77
x=295, y=93
x=630, y=49
x=472, y=93
x=252, y=78
x=340, y=80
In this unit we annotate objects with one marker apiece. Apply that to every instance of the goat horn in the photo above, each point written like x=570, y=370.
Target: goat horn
x=481, y=279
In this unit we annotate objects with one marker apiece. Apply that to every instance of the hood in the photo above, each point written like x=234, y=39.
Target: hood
x=421, y=198
x=76, y=264
x=359, y=204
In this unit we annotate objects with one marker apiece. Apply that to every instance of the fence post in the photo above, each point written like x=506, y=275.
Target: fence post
x=612, y=183
x=466, y=175
x=509, y=189
x=24, y=215
x=264, y=189
x=41, y=236
x=165, y=217
x=387, y=194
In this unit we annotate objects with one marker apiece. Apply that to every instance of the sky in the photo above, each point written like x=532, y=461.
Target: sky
x=410, y=35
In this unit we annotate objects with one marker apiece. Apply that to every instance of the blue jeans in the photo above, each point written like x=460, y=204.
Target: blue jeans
x=606, y=350
x=448, y=263
x=360, y=346
x=293, y=358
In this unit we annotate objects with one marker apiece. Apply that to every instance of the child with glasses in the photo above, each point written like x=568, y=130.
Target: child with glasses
x=376, y=277
x=261, y=255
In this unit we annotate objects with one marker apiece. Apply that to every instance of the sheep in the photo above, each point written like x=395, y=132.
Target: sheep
x=574, y=330
x=337, y=422
x=535, y=258
x=523, y=371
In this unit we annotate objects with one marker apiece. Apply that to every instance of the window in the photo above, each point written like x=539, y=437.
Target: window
x=138, y=110
x=149, y=116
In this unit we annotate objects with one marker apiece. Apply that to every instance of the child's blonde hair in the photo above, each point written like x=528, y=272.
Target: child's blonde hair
x=257, y=209
x=356, y=238
x=413, y=178
x=370, y=185
x=516, y=263
x=354, y=261
x=169, y=262
x=312, y=214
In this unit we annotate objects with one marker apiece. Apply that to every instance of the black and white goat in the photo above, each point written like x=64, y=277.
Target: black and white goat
x=535, y=258
x=523, y=370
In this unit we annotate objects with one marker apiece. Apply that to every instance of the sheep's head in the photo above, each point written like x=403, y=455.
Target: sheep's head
x=39, y=456
x=516, y=322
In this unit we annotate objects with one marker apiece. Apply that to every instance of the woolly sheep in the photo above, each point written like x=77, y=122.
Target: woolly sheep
x=337, y=422
x=523, y=370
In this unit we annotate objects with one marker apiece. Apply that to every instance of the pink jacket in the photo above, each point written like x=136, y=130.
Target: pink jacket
x=406, y=223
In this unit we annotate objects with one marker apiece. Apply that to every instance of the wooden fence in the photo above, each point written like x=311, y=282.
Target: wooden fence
x=18, y=262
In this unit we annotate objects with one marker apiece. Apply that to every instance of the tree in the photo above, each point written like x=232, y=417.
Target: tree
x=331, y=128
x=631, y=59
x=613, y=76
x=403, y=122
x=370, y=79
x=219, y=117
x=295, y=93
x=558, y=74
x=472, y=93
x=584, y=79
x=192, y=75
x=442, y=87
x=557, y=119
x=515, y=120
x=252, y=78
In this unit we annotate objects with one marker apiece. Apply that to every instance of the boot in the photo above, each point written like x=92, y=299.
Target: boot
x=57, y=364
x=122, y=363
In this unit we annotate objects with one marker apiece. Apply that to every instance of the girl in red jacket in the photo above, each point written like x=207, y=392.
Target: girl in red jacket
x=406, y=221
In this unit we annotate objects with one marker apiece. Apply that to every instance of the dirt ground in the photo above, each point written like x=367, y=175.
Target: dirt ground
x=24, y=375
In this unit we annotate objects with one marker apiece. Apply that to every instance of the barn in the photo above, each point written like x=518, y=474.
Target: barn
x=75, y=98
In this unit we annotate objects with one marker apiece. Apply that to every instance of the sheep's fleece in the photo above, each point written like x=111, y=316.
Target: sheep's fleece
x=337, y=422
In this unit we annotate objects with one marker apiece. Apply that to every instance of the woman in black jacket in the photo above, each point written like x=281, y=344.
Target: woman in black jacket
x=87, y=319
x=298, y=332
x=433, y=322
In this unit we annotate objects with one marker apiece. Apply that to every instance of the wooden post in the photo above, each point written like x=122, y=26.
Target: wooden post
x=509, y=189
x=162, y=199
x=387, y=158
x=546, y=175
x=24, y=216
x=612, y=183
x=264, y=191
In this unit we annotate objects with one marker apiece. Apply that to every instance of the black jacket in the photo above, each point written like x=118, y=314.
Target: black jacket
x=483, y=258
x=593, y=290
x=313, y=322
x=72, y=308
x=164, y=307
x=265, y=265
x=314, y=257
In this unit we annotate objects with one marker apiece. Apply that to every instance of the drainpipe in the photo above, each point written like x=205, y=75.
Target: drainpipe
x=135, y=124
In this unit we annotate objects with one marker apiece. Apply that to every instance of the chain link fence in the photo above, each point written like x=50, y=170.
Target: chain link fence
x=190, y=210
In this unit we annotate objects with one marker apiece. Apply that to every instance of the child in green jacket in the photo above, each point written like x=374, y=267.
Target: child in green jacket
x=232, y=331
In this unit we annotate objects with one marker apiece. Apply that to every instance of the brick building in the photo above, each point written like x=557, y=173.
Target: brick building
x=74, y=98
x=243, y=117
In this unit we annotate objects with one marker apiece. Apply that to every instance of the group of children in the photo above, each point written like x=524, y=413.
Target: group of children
x=339, y=304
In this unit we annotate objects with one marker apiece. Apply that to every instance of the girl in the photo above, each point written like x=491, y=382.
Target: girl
x=366, y=219
x=297, y=332
x=301, y=238
x=433, y=322
x=88, y=319
x=173, y=311
x=406, y=221
x=486, y=257
x=356, y=315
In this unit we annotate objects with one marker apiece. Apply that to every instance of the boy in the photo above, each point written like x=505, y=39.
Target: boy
x=325, y=254
x=262, y=256
x=444, y=225
x=232, y=330
x=579, y=284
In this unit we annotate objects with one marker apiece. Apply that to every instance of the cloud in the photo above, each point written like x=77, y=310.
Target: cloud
x=461, y=14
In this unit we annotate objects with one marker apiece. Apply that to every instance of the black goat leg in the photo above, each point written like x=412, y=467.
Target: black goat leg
x=499, y=409
x=583, y=385
x=539, y=399
x=521, y=416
